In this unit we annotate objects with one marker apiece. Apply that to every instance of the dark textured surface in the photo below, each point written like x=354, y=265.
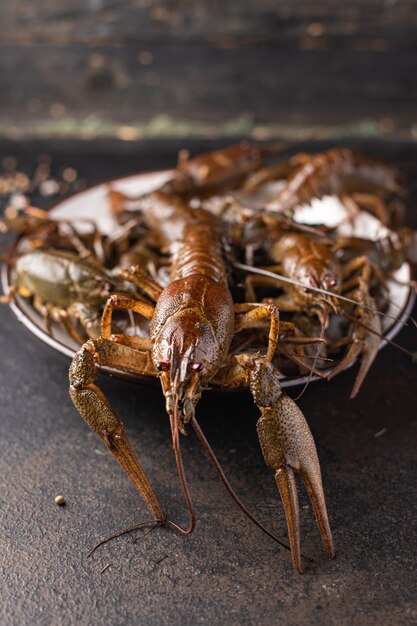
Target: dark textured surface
x=113, y=20
x=227, y=572
x=175, y=67
x=206, y=85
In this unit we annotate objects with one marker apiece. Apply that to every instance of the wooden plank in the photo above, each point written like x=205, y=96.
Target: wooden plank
x=204, y=84
x=119, y=21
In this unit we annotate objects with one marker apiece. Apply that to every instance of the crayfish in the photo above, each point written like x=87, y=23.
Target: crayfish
x=193, y=322
x=240, y=265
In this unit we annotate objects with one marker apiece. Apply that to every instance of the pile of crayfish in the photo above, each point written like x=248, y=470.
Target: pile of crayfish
x=226, y=275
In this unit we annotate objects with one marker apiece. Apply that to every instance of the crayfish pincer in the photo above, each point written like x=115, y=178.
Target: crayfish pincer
x=287, y=446
x=192, y=323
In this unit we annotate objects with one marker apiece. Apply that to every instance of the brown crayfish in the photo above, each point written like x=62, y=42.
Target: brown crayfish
x=193, y=318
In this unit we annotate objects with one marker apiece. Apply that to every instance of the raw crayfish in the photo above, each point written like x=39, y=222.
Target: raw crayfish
x=66, y=288
x=194, y=318
x=192, y=326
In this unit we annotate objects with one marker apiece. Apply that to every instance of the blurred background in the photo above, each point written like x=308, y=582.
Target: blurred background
x=133, y=69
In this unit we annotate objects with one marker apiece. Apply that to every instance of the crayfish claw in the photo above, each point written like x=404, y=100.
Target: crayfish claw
x=313, y=485
x=285, y=479
x=288, y=448
x=366, y=339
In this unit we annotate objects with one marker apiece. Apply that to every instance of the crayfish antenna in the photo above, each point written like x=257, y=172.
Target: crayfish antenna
x=173, y=417
x=124, y=531
x=317, y=354
x=291, y=281
x=137, y=526
x=184, y=485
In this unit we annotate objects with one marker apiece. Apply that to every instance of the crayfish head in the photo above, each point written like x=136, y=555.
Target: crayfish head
x=319, y=275
x=186, y=356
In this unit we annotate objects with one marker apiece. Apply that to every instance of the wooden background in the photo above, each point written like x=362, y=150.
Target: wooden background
x=144, y=68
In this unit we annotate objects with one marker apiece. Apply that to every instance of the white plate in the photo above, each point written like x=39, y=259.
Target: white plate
x=92, y=204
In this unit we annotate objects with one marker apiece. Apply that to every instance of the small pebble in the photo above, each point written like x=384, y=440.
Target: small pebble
x=60, y=500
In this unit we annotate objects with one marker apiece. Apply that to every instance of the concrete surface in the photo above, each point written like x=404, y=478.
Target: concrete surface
x=227, y=572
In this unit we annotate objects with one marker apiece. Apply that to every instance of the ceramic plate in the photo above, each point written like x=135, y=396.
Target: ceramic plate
x=92, y=204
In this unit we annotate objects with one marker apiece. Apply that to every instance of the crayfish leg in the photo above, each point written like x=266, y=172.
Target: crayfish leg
x=254, y=315
x=10, y=296
x=141, y=278
x=125, y=304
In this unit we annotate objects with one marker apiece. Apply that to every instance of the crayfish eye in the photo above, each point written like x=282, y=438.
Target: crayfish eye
x=196, y=366
x=163, y=366
x=331, y=282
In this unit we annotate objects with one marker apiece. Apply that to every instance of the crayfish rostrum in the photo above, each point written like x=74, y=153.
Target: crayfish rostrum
x=234, y=289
